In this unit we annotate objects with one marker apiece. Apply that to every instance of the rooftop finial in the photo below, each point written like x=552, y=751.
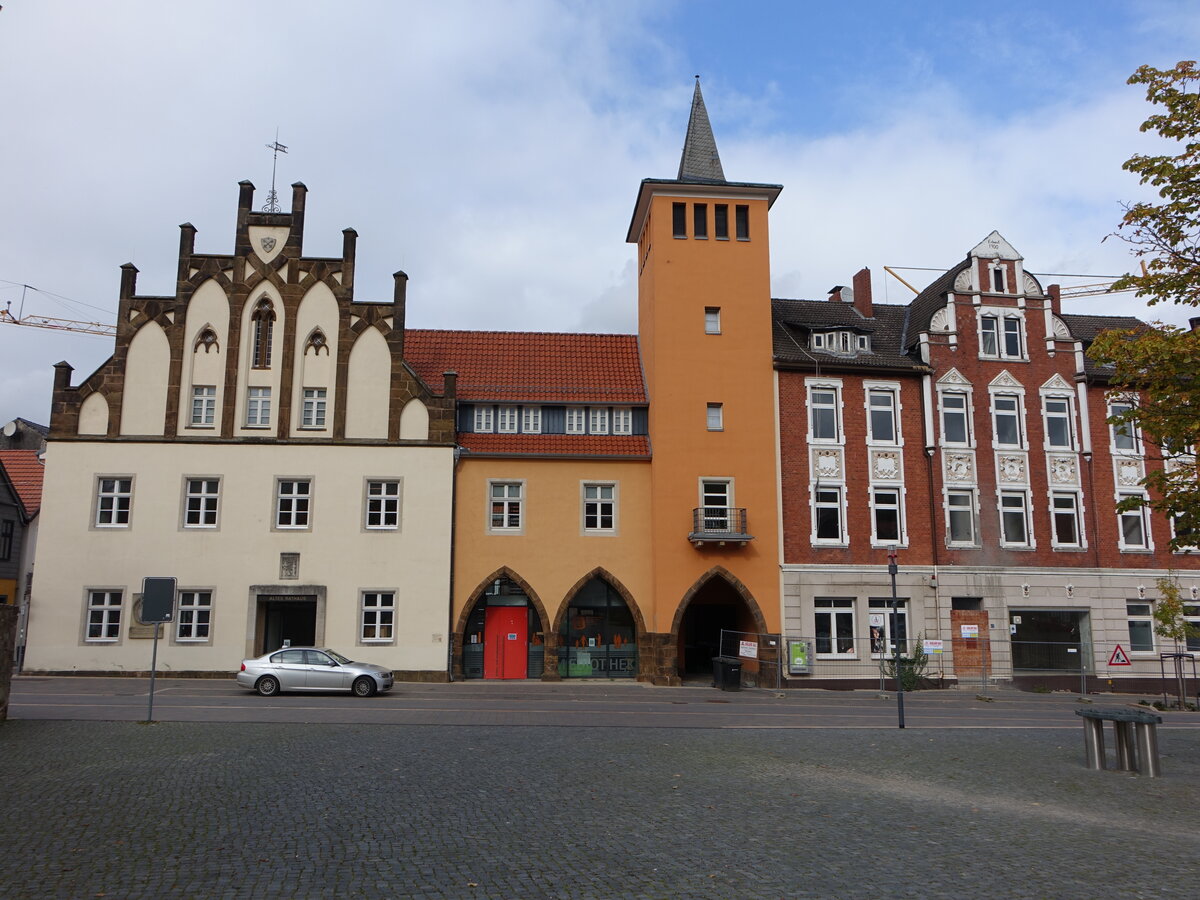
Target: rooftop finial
x=272, y=204
x=700, y=161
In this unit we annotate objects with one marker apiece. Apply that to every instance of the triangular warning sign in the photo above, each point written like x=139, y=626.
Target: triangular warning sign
x=1119, y=658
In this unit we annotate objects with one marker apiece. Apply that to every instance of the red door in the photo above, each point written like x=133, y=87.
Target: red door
x=506, y=642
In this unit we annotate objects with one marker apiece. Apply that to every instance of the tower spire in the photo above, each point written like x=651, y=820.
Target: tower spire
x=700, y=161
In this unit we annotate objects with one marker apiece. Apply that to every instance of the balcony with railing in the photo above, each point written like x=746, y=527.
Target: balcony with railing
x=719, y=525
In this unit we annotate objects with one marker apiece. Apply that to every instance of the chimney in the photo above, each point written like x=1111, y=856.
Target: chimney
x=349, y=245
x=450, y=384
x=245, y=196
x=835, y=293
x=129, y=273
x=862, y=293
x=1054, y=291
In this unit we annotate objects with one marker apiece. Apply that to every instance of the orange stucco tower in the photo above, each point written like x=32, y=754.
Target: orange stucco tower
x=704, y=323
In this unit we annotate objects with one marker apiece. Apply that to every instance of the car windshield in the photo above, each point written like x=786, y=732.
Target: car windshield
x=341, y=660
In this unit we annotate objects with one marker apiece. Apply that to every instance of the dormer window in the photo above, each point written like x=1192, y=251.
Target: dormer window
x=841, y=342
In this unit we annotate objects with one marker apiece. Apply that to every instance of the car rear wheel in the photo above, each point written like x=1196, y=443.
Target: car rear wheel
x=268, y=686
x=364, y=686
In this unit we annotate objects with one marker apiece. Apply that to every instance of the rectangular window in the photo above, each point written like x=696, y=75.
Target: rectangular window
x=823, y=402
x=598, y=420
x=882, y=419
x=700, y=221
x=622, y=420
x=312, y=415
x=292, y=500
x=114, y=498
x=1141, y=627
x=721, y=221
x=1014, y=518
x=104, y=616
x=506, y=420
x=1012, y=338
x=383, y=505
x=818, y=341
x=483, y=419
x=506, y=500
x=956, y=427
x=7, y=529
x=679, y=219
x=195, y=616
x=378, y=616
x=1191, y=614
x=576, y=420
x=886, y=505
x=1123, y=435
x=741, y=216
x=1133, y=525
x=827, y=514
x=1007, y=418
x=531, y=419
x=715, y=498
x=204, y=406
x=200, y=502
x=1059, y=432
x=960, y=517
x=989, y=340
x=1001, y=336
x=889, y=630
x=715, y=417
x=599, y=507
x=258, y=407
x=834, y=620
x=1065, y=510
x=998, y=279
x=712, y=320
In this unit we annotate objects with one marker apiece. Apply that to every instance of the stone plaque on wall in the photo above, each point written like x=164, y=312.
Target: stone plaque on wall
x=289, y=566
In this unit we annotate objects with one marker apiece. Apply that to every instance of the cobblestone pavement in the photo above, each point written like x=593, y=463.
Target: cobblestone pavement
x=124, y=810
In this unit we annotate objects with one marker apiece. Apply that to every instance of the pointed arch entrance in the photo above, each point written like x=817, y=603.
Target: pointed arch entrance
x=503, y=630
x=717, y=601
x=599, y=629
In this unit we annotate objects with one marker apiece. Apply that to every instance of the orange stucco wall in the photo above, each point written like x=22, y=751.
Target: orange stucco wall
x=686, y=369
x=552, y=553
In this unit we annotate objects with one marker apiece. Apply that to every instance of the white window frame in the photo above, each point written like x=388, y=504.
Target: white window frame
x=381, y=502
x=598, y=420
x=972, y=511
x=944, y=410
x=714, y=416
x=1142, y=515
x=258, y=406
x=712, y=320
x=998, y=269
x=711, y=518
x=376, y=612
x=1018, y=414
x=901, y=539
x=1130, y=432
x=883, y=606
x=193, y=616
x=205, y=490
x=817, y=340
x=814, y=387
x=1140, y=618
x=576, y=420
x=1068, y=417
x=114, y=502
x=506, y=420
x=1026, y=518
x=506, y=499
x=1001, y=332
x=599, y=502
x=204, y=406
x=292, y=517
x=622, y=420
x=838, y=503
x=109, y=606
x=890, y=390
x=484, y=417
x=531, y=419
x=841, y=613
x=1076, y=510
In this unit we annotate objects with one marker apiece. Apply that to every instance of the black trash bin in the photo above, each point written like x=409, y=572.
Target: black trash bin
x=727, y=673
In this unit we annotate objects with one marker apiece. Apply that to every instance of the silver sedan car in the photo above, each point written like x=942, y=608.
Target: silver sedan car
x=312, y=669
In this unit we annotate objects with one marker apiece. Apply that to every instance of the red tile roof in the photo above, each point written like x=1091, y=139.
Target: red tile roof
x=24, y=471
x=542, y=367
x=635, y=445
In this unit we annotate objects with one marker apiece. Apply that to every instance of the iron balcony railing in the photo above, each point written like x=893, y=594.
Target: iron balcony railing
x=719, y=524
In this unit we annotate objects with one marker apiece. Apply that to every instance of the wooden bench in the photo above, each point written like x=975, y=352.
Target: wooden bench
x=1136, y=737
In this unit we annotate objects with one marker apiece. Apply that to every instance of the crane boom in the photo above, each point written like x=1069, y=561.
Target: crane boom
x=7, y=318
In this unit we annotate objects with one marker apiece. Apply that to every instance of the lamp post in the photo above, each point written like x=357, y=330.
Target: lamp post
x=891, y=633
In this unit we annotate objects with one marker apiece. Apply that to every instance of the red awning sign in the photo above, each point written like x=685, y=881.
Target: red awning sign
x=1119, y=657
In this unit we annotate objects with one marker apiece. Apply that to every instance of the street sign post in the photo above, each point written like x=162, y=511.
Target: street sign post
x=158, y=606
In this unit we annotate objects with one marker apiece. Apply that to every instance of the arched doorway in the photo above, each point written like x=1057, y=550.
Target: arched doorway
x=598, y=634
x=714, y=605
x=503, y=637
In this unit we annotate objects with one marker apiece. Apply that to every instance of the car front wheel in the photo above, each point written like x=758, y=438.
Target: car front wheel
x=268, y=686
x=364, y=687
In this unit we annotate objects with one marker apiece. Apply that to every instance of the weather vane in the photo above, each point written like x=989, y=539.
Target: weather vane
x=272, y=204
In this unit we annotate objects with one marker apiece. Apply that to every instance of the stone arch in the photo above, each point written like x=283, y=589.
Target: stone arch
x=615, y=584
x=316, y=342
x=414, y=421
x=206, y=340
x=502, y=572
x=734, y=582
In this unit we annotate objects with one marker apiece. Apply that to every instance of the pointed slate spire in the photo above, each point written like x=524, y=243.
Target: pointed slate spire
x=700, y=162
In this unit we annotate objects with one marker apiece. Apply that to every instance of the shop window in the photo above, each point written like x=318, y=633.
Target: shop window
x=834, y=621
x=598, y=638
x=889, y=629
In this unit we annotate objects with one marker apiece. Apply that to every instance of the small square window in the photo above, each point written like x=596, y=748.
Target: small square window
x=382, y=506
x=194, y=617
x=715, y=417
x=293, y=499
x=712, y=320
x=378, y=617
x=114, y=502
x=599, y=507
x=507, y=498
x=202, y=497
x=104, y=616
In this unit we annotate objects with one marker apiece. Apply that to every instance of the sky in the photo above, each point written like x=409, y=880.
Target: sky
x=493, y=150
